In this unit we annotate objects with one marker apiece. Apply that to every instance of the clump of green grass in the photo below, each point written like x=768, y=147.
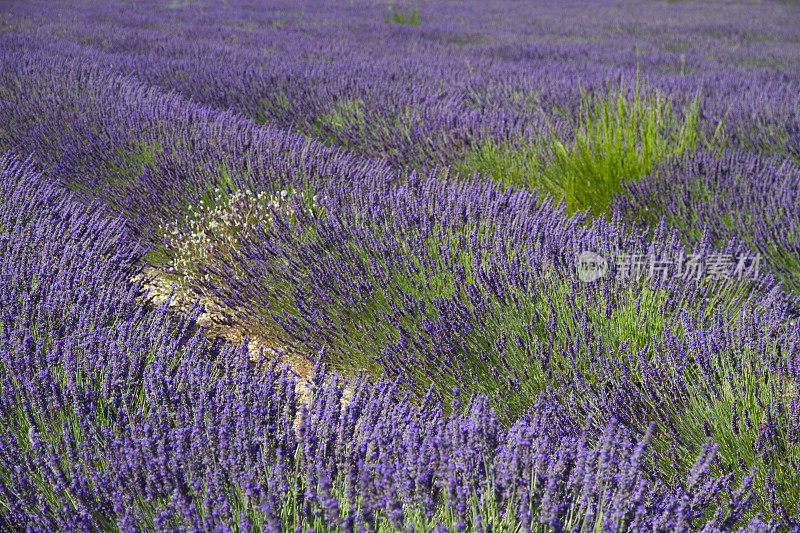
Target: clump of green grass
x=343, y=114
x=617, y=139
x=402, y=15
x=501, y=161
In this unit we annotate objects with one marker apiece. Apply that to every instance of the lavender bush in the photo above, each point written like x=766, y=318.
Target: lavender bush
x=731, y=197
x=400, y=193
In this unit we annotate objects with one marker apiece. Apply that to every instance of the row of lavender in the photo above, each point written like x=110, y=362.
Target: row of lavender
x=427, y=94
x=116, y=416
x=729, y=197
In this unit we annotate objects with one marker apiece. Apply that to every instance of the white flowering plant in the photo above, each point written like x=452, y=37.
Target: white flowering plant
x=209, y=232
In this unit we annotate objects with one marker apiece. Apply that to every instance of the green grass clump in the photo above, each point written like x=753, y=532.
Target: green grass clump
x=343, y=114
x=616, y=140
x=502, y=162
x=402, y=15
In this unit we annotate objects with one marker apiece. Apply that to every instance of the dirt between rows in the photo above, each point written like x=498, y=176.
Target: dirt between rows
x=215, y=323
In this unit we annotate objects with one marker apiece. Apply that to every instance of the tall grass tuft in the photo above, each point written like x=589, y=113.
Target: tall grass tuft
x=617, y=139
x=501, y=161
x=402, y=15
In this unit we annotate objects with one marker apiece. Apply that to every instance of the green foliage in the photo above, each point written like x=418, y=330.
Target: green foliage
x=503, y=162
x=343, y=114
x=402, y=15
x=616, y=140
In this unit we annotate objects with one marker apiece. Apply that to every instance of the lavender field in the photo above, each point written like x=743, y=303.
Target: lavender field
x=371, y=265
